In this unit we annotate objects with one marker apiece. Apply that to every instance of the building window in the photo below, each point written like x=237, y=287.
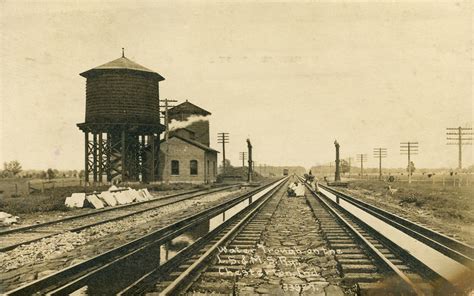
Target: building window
x=214, y=168
x=193, y=167
x=174, y=167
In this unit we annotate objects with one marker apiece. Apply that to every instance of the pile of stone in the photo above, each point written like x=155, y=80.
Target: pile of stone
x=7, y=219
x=296, y=189
x=110, y=198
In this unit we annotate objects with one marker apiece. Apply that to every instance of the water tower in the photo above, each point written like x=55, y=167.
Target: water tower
x=122, y=126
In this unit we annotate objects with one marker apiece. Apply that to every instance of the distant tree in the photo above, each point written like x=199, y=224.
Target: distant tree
x=5, y=174
x=82, y=174
x=42, y=175
x=470, y=169
x=51, y=174
x=228, y=164
x=12, y=168
x=345, y=166
x=411, y=168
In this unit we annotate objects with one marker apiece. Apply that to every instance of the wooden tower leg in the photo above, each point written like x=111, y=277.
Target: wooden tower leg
x=101, y=154
x=94, y=152
x=124, y=155
x=86, y=157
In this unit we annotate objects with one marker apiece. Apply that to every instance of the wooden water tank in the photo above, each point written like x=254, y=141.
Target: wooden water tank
x=122, y=92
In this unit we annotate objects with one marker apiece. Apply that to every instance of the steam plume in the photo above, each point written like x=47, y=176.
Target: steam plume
x=176, y=124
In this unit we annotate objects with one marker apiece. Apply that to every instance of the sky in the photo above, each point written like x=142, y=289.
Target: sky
x=291, y=76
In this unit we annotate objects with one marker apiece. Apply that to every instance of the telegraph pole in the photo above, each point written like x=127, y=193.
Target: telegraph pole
x=380, y=153
x=243, y=157
x=223, y=138
x=409, y=148
x=337, y=174
x=166, y=118
x=362, y=158
x=459, y=132
x=167, y=130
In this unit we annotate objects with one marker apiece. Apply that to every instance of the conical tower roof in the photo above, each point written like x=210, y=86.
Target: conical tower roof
x=121, y=63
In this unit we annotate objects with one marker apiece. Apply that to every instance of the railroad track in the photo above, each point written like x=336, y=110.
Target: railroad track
x=449, y=246
x=12, y=238
x=174, y=260
x=365, y=262
x=377, y=262
x=119, y=268
x=369, y=262
x=196, y=269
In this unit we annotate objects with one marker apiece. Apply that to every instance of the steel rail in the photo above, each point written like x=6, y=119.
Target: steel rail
x=80, y=228
x=75, y=275
x=450, y=247
x=381, y=258
x=145, y=283
x=181, y=280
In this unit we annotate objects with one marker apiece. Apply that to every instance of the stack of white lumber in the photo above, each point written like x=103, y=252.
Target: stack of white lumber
x=112, y=197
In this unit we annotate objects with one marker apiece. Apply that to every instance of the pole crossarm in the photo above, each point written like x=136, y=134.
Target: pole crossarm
x=459, y=128
x=243, y=157
x=459, y=139
x=380, y=153
x=409, y=148
x=223, y=138
x=362, y=158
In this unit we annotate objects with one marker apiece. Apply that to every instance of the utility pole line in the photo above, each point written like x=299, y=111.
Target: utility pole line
x=243, y=157
x=362, y=158
x=223, y=138
x=409, y=148
x=166, y=117
x=459, y=132
x=380, y=153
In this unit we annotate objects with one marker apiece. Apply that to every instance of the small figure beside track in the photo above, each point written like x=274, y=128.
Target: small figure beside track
x=315, y=184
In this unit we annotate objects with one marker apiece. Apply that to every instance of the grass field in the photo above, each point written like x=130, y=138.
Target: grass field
x=448, y=208
x=447, y=202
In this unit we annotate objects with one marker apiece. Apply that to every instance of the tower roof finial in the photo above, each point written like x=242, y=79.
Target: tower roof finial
x=123, y=52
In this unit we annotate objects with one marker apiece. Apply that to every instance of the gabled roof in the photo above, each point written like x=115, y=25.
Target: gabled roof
x=183, y=128
x=192, y=142
x=121, y=63
x=189, y=108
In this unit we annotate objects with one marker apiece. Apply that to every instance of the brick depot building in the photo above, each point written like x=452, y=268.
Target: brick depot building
x=186, y=155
